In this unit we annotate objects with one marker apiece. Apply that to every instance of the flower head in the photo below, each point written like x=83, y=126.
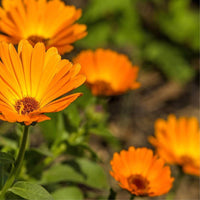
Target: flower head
x=107, y=72
x=139, y=172
x=50, y=22
x=177, y=141
x=34, y=81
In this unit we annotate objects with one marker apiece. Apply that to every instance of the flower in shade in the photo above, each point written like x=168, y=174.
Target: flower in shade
x=34, y=81
x=140, y=172
x=177, y=141
x=107, y=72
x=50, y=22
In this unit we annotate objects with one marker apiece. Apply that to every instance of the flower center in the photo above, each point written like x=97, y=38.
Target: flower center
x=186, y=159
x=26, y=105
x=101, y=88
x=138, y=184
x=33, y=39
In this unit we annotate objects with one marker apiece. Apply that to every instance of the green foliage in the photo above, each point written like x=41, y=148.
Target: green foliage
x=8, y=143
x=133, y=25
x=53, y=130
x=68, y=193
x=180, y=23
x=12, y=196
x=6, y=158
x=105, y=133
x=98, y=9
x=170, y=61
x=3, y=175
x=102, y=31
x=79, y=171
x=30, y=191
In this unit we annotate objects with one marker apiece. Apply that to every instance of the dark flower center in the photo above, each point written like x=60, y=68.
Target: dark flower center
x=138, y=184
x=101, y=88
x=33, y=39
x=26, y=105
x=186, y=159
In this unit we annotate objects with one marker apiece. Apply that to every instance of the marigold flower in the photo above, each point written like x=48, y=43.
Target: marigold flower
x=178, y=142
x=107, y=72
x=140, y=172
x=50, y=22
x=33, y=82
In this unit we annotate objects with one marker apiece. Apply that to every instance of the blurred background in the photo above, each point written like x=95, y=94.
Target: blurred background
x=162, y=38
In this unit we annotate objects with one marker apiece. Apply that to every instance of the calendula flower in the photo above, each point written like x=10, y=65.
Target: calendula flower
x=140, y=172
x=34, y=82
x=50, y=22
x=178, y=142
x=107, y=72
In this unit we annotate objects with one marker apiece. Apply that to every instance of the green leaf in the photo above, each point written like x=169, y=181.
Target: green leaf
x=86, y=99
x=11, y=196
x=5, y=161
x=3, y=175
x=98, y=9
x=106, y=134
x=99, y=36
x=43, y=150
x=54, y=129
x=49, y=128
x=6, y=158
x=79, y=171
x=94, y=174
x=181, y=15
x=89, y=149
x=30, y=191
x=8, y=142
x=170, y=61
x=68, y=193
x=73, y=115
x=60, y=172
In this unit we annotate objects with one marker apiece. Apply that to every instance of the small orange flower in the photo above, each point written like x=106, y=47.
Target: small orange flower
x=50, y=22
x=107, y=72
x=33, y=82
x=141, y=173
x=178, y=142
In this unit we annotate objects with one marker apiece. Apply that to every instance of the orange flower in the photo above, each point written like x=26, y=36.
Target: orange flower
x=178, y=142
x=107, y=72
x=49, y=22
x=33, y=82
x=141, y=173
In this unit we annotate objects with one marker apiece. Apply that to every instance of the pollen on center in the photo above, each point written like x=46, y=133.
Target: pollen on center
x=26, y=105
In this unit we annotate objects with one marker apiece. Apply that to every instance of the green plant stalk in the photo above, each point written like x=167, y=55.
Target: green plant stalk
x=179, y=178
x=132, y=197
x=17, y=166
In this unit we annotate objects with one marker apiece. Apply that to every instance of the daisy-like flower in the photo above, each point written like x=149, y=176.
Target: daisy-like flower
x=107, y=72
x=50, y=22
x=141, y=173
x=177, y=141
x=34, y=82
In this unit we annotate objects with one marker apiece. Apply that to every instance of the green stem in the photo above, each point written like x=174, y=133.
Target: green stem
x=132, y=196
x=17, y=166
x=177, y=182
